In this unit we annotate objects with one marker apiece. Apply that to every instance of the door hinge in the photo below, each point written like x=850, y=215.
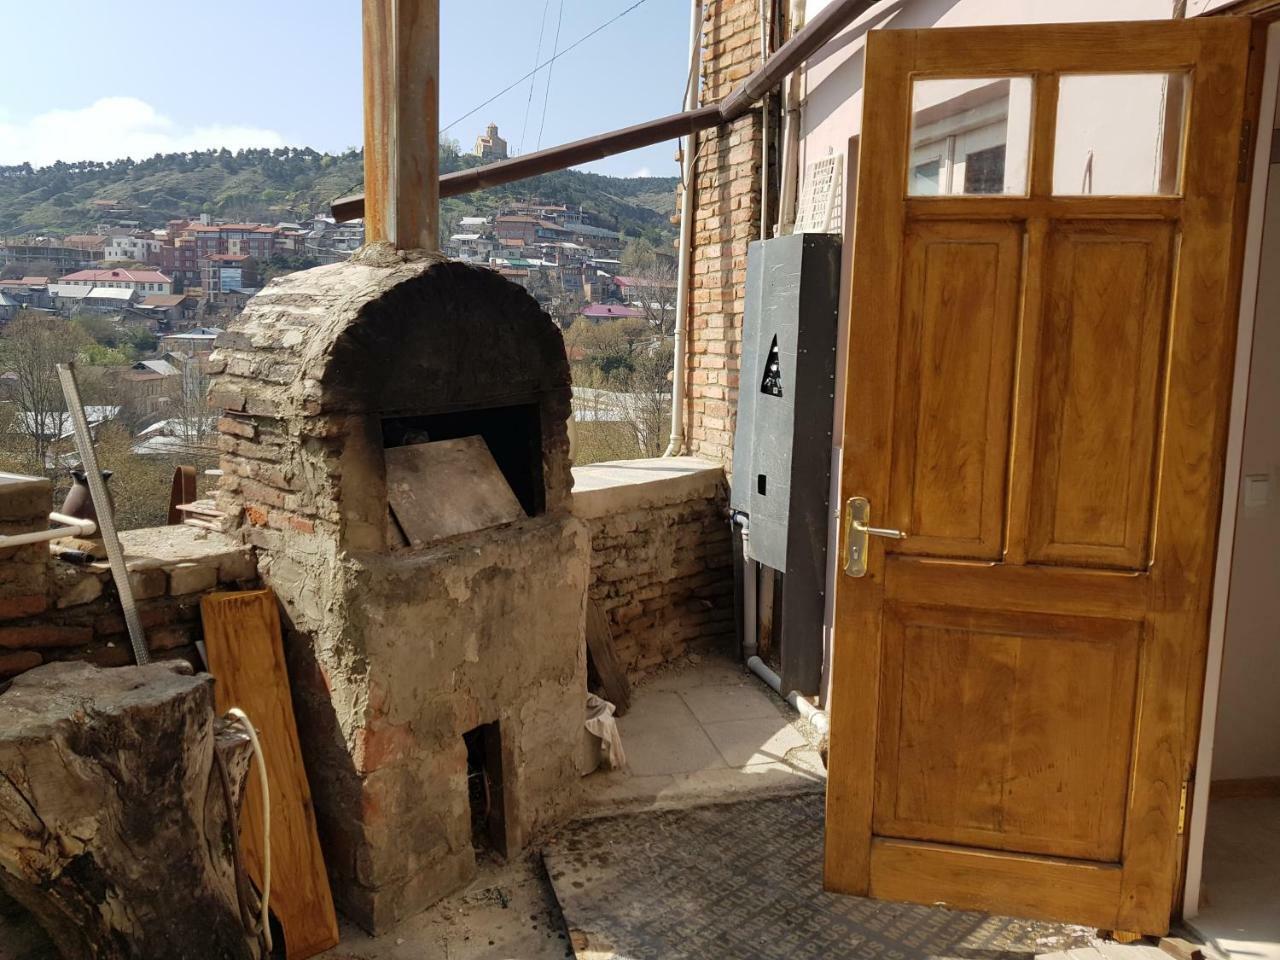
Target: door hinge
x=1182, y=807
x=1242, y=163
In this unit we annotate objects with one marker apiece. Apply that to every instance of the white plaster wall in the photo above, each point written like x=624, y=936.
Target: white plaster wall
x=1247, y=743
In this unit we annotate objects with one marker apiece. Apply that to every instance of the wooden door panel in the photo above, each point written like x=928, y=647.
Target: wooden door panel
x=955, y=375
x=1037, y=394
x=1009, y=884
x=988, y=721
x=1105, y=324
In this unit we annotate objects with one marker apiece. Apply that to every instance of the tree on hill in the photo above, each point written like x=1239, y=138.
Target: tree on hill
x=32, y=347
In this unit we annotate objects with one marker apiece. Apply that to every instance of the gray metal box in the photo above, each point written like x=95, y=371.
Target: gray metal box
x=782, y=439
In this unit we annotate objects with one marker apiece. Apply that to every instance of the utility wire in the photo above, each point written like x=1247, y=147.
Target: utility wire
x=576, y=43
x=528, y=106
x=546, y=97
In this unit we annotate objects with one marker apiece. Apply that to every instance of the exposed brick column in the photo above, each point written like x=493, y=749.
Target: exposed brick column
x=726, y=219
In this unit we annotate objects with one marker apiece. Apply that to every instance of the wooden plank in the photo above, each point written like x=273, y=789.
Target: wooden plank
x=246, y=657
x=1026, y=886
x=401, y=117
x=447, y=488
x=604, y=657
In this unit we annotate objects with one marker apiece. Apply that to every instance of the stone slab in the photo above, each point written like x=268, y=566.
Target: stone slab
x=738, y=701
x=619, y=486
x=758, y=740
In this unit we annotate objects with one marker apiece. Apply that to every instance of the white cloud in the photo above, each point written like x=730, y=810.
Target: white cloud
x=116, y=127
x=643, y=172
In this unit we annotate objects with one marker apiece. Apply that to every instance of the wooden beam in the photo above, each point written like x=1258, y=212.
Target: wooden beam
x=401, y=116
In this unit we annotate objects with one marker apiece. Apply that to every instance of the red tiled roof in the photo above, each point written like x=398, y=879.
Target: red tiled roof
x=131, y=276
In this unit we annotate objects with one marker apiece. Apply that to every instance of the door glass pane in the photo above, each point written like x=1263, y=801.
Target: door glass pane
x=969, y=137
x=1119, y=134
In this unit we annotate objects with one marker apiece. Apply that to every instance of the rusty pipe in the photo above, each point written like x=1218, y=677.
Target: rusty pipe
x=806, y=41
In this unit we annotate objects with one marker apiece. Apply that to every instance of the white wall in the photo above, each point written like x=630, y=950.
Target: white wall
x=1247, y=742
x=833, y=78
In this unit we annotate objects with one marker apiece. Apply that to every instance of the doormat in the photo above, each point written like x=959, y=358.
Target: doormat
x=744, y=880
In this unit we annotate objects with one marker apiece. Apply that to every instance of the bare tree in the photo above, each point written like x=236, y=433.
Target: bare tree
x=653, y=277
x=33, y=345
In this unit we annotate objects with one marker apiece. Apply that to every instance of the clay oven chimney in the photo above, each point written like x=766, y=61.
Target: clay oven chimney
x=401, y=116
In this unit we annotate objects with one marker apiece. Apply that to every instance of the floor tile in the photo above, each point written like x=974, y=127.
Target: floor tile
x=730, y=702
x=744, y=742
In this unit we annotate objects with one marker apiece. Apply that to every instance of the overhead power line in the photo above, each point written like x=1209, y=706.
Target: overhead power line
x=546, y=96
x=528, y=106
x=581, y=40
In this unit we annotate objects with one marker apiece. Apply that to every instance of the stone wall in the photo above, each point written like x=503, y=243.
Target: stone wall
x=726, y=219
x=51, y=609
x=661, y=561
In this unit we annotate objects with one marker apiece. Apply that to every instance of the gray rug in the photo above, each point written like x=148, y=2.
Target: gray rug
x=744, y=880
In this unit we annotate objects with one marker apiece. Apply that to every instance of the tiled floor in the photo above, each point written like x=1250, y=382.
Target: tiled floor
x=1240, y=906
x=706, y=730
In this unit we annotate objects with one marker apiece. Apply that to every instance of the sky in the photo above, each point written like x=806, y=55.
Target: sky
x=109, y=82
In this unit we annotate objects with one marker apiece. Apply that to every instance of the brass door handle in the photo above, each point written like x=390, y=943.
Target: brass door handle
x=857, y=514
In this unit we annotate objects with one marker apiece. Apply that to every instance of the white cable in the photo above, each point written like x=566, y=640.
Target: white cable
x=261, y=764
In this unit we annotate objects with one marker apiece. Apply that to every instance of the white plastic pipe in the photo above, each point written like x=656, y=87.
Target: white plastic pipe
x=675, y=444
x=790, y=136
x=70, y=527
x=817, y=718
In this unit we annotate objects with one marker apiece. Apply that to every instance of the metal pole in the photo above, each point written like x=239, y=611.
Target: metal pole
x=684, y=272
x=106, y=513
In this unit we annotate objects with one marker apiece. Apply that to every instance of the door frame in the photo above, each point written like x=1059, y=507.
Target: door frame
x=1196, y=694
x=1268, y=53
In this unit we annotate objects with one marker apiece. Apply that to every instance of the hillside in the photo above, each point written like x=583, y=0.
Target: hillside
x=287, y=184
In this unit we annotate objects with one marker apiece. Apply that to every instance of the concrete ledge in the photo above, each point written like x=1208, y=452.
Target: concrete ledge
x=620, y=486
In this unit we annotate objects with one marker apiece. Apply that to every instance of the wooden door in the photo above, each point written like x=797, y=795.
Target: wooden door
x=1043, y=319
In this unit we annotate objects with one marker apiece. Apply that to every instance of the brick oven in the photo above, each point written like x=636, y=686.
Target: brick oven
x=440, y=687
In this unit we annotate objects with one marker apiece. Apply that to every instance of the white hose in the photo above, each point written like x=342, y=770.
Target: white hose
x=261, y=764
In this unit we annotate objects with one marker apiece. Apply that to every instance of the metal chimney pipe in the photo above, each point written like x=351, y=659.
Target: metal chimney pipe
x=401, y=117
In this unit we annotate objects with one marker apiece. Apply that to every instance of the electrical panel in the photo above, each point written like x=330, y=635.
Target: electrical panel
x=782, y=439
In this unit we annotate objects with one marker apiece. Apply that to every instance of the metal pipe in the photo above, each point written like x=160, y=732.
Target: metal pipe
x=67, y=527
x=790, y=162
x=766, y=15
x=556, y=158
x=788, y=57
x=817, y=718
x=684, y=277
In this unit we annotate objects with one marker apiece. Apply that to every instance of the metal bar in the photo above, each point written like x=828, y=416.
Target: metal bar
x=106, y=515
x=556, y=158
x=790, y=55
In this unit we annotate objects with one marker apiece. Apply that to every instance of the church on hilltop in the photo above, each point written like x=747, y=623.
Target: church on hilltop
x=490, y=146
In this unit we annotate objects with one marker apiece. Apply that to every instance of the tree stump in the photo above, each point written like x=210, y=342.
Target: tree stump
x=113, y=823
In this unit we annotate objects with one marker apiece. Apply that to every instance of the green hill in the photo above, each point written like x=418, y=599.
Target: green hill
x=287, y=184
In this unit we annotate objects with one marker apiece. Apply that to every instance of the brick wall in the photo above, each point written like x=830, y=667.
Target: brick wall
x=727, y=218
x=51, y=609
x=661, y=561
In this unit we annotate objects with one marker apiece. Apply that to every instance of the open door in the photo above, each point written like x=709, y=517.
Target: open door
x=1043, y=320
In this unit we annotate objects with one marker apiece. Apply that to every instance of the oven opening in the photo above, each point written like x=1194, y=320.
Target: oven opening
x=484, y=788
x=512, y=434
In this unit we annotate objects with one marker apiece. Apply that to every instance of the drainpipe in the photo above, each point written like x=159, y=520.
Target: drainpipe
x=684, y=278
x=790, y=136
x=766, y=21
x=817, y=718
